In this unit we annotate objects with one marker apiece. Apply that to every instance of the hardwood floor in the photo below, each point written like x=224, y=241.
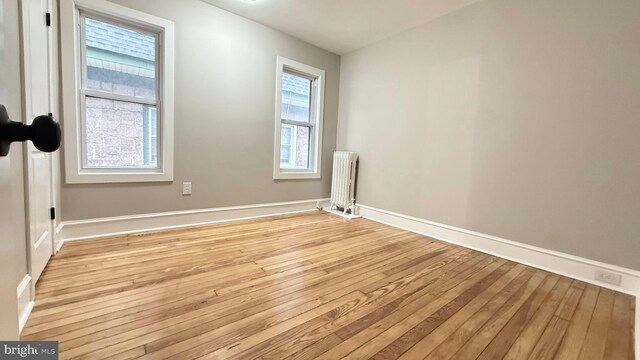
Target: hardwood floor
x=316, y=287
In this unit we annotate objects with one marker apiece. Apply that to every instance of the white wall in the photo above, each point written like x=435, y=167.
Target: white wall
x=513, y=118
x=224, y=118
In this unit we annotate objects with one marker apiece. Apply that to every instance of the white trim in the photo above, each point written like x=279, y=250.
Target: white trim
x=24, y=316
x=59, y=228
x=59, y=241
x=70, y=74
x=553, y=261
x=24, y=285
x=59, y=245
x=105, y=227
x=25, y=301
x=315, y=145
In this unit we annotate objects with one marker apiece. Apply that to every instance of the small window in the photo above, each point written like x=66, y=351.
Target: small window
x=299, y=108
x=123, y=97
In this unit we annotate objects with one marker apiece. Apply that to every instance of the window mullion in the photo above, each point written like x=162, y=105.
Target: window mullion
x=118, y=97
x=297, y=123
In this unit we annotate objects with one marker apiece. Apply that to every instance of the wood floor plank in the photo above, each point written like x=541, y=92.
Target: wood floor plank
x=285, y=287
x=383, y=311
x=528, y=337
x=619, y=337
x=413, y=336
x=456, y=340
x=550, y=340
x=500, y=344
x=368, y=274
x=391, y=294
x=84, y=305
x=595, y=341
x=478, y=342
x=315, y=286
x=203, y=349
x=570, y=301
x=318, y=348
x=376, y=341
x=436, y=337
x=577, y=331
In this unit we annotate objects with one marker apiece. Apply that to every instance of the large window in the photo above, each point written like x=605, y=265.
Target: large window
x=123, y=105
x=299, y=107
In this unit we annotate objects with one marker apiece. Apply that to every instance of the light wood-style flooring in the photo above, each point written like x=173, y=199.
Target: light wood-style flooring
x=316, y=286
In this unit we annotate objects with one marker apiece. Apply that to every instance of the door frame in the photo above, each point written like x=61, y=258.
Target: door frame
x=53, y=107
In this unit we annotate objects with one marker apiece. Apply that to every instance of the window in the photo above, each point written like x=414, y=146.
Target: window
x=299, y=108
x=121, y=111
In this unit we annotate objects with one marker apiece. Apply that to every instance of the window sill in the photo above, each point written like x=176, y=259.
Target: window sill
x=290, y=175
x=117, y=177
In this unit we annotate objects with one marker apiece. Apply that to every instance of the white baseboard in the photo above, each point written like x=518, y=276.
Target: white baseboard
x=58, y=238
x=106, y=227
x=25, y=301
x=560, y=263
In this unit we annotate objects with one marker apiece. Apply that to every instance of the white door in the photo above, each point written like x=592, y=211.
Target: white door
x=8, y=252
x=11, y=176
x=37, y=39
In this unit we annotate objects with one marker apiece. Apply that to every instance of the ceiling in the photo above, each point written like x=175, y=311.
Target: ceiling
x=341, y=26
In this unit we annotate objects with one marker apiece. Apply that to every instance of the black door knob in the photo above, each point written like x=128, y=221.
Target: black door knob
x=44, y=132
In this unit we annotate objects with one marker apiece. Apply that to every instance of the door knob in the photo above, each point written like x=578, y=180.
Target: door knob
x=44, y=132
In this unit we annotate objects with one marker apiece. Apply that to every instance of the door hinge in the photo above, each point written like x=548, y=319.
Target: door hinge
x=48, y=19
x=52, y=213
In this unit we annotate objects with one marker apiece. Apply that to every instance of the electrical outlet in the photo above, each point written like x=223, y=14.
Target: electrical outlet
x=608, y=277
x=186, y=188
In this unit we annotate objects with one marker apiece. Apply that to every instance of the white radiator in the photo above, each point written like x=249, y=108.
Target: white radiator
x=343, y=183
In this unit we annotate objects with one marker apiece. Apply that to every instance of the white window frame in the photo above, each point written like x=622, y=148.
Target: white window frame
x=72, y=106
x=317, y=77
